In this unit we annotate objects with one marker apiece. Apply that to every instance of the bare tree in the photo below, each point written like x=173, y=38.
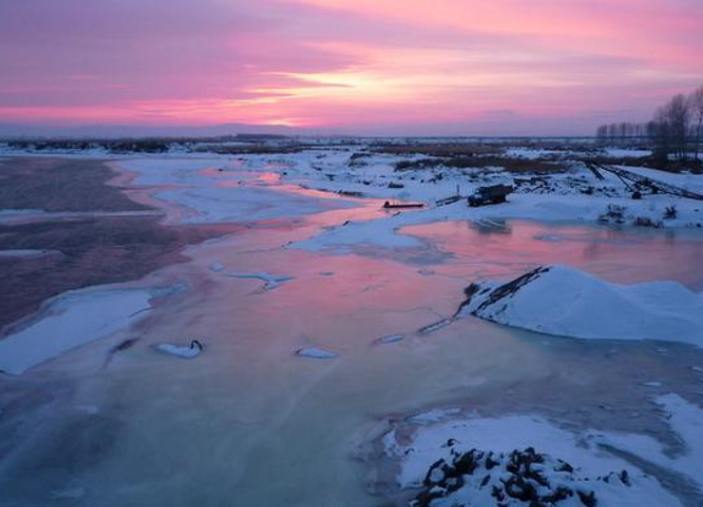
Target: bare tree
x=620, y=133
x=695, y=105
x=679, y=117
x=661, y=134
x=602, y=134
x=672, y=128
x=676, y=129
x=651, y=130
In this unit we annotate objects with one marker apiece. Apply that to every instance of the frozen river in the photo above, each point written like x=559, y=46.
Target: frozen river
x=251, y=423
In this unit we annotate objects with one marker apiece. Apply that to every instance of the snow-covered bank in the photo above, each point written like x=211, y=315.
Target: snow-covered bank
x=563, y=301
x=387, y=232
x=71, y=320
x=209, y=190
x=568, y=191
x=468, y=460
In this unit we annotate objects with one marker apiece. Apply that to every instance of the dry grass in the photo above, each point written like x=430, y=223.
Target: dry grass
x=443, y=150
x=513, y=165
x=671, y=166
x=253, y=149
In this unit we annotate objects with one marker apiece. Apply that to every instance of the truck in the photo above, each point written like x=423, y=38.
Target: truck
x=494, y=194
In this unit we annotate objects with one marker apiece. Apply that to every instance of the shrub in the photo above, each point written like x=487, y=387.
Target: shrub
x=646, y=222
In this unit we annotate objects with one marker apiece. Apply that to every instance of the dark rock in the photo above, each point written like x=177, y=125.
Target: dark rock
x=564, y=467
x=587, y=499
x=624, y=478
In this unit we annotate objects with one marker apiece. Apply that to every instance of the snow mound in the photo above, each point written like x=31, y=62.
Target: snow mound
x=518, y=478
x=525, y=460
x=316, y=353
x=563, y=301
x=185, y=351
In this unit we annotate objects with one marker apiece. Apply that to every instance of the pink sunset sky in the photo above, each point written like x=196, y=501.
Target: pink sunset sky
x=425, y=67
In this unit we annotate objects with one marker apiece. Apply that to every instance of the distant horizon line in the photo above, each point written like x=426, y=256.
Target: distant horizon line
x=122, y=131
x=273, y=137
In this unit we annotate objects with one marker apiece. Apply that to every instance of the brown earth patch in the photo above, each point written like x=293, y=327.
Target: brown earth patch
x=60, y=185
x=91, y=251
x=443, y=150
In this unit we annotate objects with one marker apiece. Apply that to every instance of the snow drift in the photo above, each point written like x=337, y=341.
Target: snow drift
x=465, y=460
x=563, y=301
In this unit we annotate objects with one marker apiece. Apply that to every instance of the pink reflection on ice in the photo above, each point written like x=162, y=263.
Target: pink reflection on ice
x=501, y=249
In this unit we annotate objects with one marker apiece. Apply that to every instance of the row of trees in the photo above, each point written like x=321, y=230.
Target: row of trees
x=676, y=129
x=615, y=132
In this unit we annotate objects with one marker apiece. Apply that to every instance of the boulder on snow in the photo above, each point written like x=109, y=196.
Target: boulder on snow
x=519, y=478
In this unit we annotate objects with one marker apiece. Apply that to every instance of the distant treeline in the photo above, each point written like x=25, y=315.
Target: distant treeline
x=676, y=130
x=615, y=132
x=113, y=146
x=242, y=142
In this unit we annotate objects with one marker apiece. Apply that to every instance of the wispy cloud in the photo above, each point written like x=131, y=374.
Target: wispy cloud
x=346, y=64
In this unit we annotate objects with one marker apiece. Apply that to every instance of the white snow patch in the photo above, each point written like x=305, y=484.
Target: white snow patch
x=71, y=320
x=686, y=420
x=223, y=197
x=392, y=338
x=533, y=153
x=434, y=416
x=184, y=351
x=316, y=353
x=436, y=326
x=625, y=153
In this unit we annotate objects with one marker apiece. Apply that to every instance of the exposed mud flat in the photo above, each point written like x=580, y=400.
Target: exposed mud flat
x=88, y=248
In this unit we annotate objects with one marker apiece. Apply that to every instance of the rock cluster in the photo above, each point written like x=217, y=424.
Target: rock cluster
x=519, y=478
